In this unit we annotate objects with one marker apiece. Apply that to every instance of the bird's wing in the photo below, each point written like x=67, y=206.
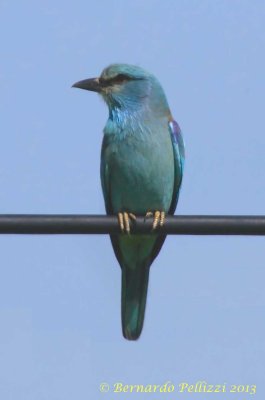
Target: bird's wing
x=179, y=158
x=104, y=175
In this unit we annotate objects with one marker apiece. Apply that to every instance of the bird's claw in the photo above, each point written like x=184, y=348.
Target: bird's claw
x=124, y=221
x=159, y=218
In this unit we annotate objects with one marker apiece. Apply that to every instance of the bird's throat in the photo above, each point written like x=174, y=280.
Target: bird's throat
x=126, y=122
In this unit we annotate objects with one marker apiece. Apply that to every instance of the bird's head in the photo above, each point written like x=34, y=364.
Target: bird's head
x=126, y=87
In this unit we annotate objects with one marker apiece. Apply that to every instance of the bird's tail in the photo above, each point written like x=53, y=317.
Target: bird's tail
x=134, y=292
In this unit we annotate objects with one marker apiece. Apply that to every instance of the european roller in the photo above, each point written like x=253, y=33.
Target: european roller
x=142, y=161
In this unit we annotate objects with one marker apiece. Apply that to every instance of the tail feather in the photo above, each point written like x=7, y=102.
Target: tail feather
x=134, y=292
x=135, y=254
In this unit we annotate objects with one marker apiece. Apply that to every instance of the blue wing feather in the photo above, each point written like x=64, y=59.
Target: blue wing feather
x=179, y=158
x=105, y=176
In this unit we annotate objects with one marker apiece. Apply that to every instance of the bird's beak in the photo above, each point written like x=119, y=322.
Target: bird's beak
x=92, y=84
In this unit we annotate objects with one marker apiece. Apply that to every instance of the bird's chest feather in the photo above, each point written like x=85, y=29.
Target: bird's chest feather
x=141, y=171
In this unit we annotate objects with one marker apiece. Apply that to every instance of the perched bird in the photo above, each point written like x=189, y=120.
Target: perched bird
x=142, y=161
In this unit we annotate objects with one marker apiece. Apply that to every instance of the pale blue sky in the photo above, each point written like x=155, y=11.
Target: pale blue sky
x=60, y=333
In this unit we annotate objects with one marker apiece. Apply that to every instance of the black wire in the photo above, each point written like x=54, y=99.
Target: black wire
x=101, y=224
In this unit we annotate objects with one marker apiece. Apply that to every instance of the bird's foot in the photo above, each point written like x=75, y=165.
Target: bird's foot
x=124, y=221
x=158, y=218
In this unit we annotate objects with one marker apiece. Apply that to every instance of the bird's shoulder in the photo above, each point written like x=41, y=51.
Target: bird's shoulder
x=177, y=137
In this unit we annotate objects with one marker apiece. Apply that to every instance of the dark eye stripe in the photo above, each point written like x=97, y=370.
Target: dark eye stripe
x=120, y=78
